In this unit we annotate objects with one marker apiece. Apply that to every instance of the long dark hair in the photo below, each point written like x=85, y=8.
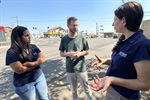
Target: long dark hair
x=133, y=14
x=17, y=44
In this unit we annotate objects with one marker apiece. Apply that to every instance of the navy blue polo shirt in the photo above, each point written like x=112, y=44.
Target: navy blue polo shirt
x=27, y=77
x=130, y=51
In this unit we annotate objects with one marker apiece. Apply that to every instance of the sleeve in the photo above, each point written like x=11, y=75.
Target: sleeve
x=61, y=47
x=85, y=44
x=11, y=56
x=37, y=50
x=142, y=52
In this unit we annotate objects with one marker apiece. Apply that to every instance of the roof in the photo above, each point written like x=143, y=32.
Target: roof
x=55, y=28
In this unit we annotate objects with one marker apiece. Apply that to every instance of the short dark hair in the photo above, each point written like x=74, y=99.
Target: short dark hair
x=133, y=14
x=71, y=19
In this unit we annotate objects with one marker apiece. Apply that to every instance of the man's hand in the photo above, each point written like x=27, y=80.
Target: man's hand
x=77, y=55
x=73, y=54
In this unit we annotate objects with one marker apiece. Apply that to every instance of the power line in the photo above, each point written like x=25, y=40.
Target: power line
x=43, y=21
x=10, y=23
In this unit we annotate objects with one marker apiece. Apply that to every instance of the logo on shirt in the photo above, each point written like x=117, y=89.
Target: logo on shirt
x=34, y=53
x=122, y=54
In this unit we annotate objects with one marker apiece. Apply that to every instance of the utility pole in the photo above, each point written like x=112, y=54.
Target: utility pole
x=17, y=20
x=67, y=27
x=123, y=1
x=97, y=29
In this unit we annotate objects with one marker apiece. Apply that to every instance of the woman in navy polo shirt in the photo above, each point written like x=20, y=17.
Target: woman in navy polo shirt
x=25, y=60
x=129, y=70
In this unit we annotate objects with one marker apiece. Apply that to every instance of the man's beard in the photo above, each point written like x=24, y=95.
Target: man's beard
x=73, y=31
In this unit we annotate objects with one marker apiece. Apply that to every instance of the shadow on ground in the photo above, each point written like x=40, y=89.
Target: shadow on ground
x=59, y=89
x=6, y=86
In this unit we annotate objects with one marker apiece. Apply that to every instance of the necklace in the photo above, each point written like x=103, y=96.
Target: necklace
x=26, y=50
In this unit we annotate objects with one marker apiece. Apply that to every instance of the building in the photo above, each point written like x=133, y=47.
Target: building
x=146, y=27
x=55, y=31
x=2, y=34
x=108, y=34
x=7, y=30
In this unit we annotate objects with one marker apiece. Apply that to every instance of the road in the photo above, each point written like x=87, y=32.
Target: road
x=54, y=68
x=50, y=46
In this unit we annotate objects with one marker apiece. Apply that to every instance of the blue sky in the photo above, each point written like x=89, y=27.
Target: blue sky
x=50, y=13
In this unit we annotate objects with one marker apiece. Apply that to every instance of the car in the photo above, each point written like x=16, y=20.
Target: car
x=115, y=36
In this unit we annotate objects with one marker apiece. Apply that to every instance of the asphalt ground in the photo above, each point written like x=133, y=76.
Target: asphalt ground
x=54, y=69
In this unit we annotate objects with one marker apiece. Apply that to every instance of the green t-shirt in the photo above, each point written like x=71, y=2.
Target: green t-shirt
x=79, y=43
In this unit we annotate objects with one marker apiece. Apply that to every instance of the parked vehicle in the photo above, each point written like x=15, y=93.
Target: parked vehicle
x=115, y=36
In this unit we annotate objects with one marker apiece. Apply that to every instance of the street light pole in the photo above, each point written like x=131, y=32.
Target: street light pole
x=123, y=1
x=96, y=28
x=17, y=20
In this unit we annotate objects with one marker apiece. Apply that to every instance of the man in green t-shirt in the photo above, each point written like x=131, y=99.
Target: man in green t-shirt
x=74, y=47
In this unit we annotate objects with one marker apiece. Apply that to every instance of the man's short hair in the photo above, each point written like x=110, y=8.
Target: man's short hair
x=71, y=19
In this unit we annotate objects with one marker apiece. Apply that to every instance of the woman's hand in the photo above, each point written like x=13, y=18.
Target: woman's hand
x=29, y=64
x=101, y=84
x=35, y=63
x=97, y=64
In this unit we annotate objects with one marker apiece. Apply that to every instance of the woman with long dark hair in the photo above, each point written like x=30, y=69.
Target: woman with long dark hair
x=25, y=60
x=129, y=70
